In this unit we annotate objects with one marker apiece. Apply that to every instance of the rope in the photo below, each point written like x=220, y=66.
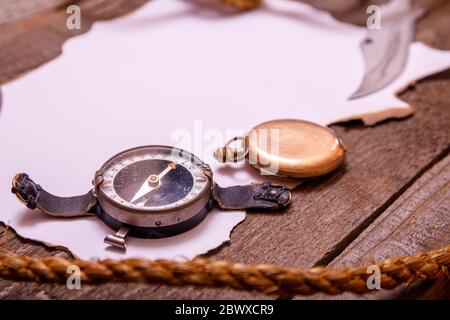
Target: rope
x=266, y=278
x=243, y=4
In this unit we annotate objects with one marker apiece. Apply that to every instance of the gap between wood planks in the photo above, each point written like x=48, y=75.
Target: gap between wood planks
x=347, y=240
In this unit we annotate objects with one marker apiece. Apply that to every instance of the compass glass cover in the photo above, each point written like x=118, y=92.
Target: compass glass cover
x=153, y=178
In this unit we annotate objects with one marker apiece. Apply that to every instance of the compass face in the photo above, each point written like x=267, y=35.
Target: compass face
x=154, y=178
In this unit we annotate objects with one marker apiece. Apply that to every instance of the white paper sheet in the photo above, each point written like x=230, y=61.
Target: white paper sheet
x=174, y=73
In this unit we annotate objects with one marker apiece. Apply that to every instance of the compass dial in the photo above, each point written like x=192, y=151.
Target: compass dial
x=154, y=178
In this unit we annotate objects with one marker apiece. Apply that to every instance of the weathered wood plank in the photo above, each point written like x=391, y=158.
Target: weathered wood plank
x=14, y=10
x=39, y=31
x=418, y=221
x=38, y=38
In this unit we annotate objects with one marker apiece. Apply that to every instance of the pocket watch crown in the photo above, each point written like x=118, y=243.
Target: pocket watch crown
x=226, y=154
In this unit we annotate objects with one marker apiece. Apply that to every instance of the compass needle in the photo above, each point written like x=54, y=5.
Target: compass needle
x=143, y=190
x=151, y=183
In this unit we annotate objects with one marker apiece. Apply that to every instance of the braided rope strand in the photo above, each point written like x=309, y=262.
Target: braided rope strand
x=265, y=278
x=243, y=4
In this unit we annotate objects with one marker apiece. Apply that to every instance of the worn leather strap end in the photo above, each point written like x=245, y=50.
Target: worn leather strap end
x=34, y=196
x=258, y=196
x=26, y=190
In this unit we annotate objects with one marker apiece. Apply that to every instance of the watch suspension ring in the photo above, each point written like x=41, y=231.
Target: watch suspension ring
x=230, y=154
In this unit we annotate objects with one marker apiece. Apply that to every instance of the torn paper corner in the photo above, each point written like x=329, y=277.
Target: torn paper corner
x=6, y=228
x=88, y=243
x=372, y=118
x=214, y=232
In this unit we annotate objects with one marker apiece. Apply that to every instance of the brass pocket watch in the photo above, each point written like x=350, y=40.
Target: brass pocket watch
x=287, y=148
x=151, y=192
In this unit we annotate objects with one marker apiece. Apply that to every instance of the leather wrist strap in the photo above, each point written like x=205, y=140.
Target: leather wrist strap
x=256, y=196
x=34, y=196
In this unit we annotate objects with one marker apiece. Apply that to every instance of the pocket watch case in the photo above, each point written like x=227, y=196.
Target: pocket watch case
x=288, y=148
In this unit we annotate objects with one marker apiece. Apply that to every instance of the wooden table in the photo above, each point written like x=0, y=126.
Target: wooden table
x=392, y=196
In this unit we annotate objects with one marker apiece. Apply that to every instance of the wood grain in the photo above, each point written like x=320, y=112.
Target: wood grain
x=32, y=32
x=385, y=163
x=418, y=221
x=14, y=10
x=38, y=37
